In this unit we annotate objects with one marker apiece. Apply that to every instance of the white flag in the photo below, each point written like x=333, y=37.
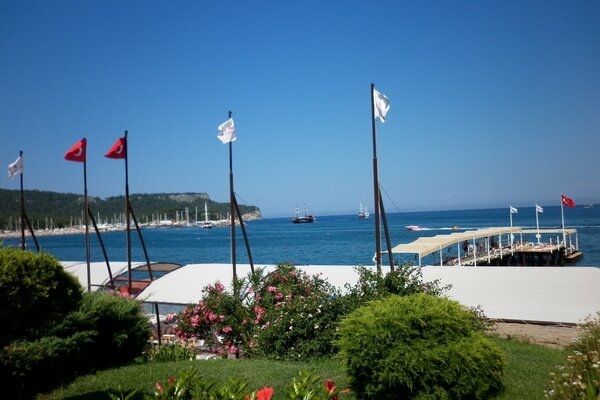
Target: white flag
x=15, y=168
x=513, y=210
x=539, y=209
x=227, y=131
x=381, y=104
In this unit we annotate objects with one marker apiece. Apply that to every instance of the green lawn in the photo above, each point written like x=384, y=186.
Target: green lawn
x=526, y=374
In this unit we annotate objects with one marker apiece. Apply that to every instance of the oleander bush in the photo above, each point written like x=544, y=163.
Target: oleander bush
x=287, y=314
x=579, y=377
x=418, y=346
x=35, y=294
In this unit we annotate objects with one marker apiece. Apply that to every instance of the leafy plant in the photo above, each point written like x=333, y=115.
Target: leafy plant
x=579, y=378
x=418, y=346
x=169, y=352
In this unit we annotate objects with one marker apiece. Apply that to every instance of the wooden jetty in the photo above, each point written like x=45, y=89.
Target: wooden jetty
x=499, y=246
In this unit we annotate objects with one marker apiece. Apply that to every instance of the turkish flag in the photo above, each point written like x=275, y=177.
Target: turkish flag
x=118, y=150
x=567, y=201
x=77, y=152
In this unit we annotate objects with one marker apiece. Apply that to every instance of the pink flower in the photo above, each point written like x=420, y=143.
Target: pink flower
x=222, y=318
x=227, y=329
x=265, y=393
x=211, y=316
x=278, y=296
x=219, y=286
x=233, y=349
x=272, y=289
x=195, y=321
x=159, y=387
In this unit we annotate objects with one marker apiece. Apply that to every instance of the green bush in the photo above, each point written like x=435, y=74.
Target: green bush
x=106, y=331
x=295, y=315
x=418, y=346
x=35, y=294
x=120, y=328
x=33, y=366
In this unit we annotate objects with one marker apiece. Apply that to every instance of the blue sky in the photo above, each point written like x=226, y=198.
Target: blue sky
x=492, y=102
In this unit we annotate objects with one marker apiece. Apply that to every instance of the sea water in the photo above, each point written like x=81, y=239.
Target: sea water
x=331, y=240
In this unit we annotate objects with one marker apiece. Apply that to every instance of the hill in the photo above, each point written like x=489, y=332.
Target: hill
x=63, y=208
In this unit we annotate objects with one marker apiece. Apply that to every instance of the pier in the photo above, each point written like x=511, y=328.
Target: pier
x=499, y=246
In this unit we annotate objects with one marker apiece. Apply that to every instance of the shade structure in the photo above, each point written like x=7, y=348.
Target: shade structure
x=429, y=245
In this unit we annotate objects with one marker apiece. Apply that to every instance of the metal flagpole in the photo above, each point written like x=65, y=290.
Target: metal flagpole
x=537, y=224
x=22, y=208
x=510, y=213
x=232, y=209
x=562, y=219
x=127, y=223
x=375, y=185
x=87, y=225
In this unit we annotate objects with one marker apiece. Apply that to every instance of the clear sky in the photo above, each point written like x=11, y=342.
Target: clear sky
x=492, y=102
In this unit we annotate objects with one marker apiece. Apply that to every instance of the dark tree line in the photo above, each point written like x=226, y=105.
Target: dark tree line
x=63, y=208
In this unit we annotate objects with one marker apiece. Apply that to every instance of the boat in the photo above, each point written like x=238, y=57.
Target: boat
x=206, y=224
x=414, y=227
x=363, y=212
x=306, y=219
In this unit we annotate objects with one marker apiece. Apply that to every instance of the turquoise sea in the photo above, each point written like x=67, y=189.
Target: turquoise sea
x=331, y=240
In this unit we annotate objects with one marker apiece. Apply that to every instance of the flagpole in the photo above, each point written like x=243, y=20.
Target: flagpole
x=127, y=224
x=232, y=209
x=537, y=223
x=375, y=186
x=510, y=213
x=22, y=196
x=562, y=219
x=87, y=225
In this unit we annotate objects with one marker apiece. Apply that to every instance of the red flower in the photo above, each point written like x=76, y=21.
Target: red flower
x=265, y=393
x=330, y=386
x=171, y=380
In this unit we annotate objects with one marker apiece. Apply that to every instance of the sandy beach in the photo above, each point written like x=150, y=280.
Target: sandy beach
x=555, y=336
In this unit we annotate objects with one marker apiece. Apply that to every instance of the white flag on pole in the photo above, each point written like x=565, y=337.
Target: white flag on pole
x=227, y=131
x=15, y=168
x=513, y=210
x=381, y=105
x=539, y=209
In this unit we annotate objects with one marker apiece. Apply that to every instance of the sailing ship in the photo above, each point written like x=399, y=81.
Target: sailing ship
x=206, y=224
x=363, y=212
x=307, y=218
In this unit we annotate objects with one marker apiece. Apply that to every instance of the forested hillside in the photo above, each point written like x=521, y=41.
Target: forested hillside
x=62, y=208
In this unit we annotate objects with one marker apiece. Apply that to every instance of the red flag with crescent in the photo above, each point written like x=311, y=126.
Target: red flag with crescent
x=567, y=201
x=77, y=152
x=118, y=150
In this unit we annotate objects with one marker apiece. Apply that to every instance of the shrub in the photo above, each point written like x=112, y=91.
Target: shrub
x=418, y=346
x=106, y=331
x=120, y=327
x=295, y=315
x=579, y=378
x=35, y=294
x=33, y=366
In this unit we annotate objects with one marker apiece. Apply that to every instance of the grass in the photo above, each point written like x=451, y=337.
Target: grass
x=526, y=374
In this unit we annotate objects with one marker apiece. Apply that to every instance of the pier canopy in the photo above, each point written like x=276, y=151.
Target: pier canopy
x=428, y=245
